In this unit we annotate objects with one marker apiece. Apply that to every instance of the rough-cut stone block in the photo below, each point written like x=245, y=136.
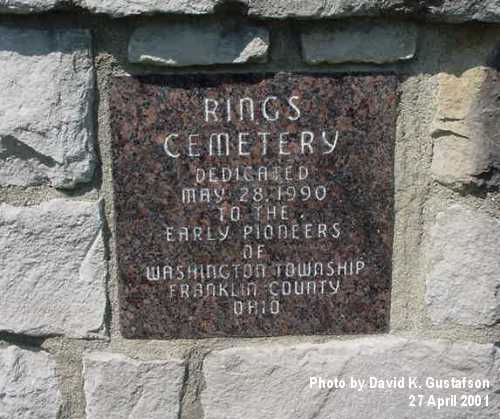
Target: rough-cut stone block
x=458, y=10
x=46, y=111
x=274, y=381
x=359, y=43
x=447, y=10
x=118, y=387
x=28, y=385
x=28, y=6
x=119, y=8
x=52, y=269
x=180, y=44
x=463, y=263
x=466, y=129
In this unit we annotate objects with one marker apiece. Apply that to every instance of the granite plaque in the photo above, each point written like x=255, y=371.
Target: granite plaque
x=253, y=205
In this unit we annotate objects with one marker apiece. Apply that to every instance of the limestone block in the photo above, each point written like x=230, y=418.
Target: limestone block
x=52, y=269
x=118, y=387
x=446, y=10
x=120, y=8
x=181, y=44
x=273, y=381
x=359, y=43
x=46, y=111
x=28, y=6
x=466, y=129
x=462, y=259
x=28, y=385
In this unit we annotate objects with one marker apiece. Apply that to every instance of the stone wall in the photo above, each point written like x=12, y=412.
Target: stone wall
x=61, y=351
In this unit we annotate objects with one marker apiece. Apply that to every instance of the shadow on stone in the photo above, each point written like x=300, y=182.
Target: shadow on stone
x=12, y=147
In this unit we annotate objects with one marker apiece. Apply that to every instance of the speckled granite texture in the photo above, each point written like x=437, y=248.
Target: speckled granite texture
x=303, y=259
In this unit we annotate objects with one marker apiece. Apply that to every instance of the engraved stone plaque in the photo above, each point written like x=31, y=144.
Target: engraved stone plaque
x=253, y=204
